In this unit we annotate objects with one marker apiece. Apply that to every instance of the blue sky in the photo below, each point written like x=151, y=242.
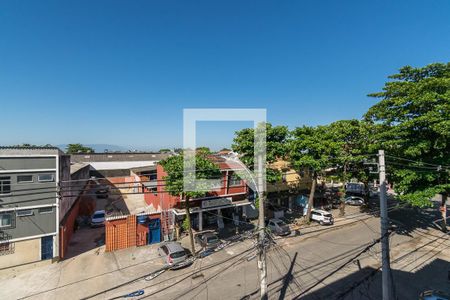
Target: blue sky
x=121, y=72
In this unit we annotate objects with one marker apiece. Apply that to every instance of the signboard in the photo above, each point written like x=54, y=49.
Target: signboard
x=216, y=202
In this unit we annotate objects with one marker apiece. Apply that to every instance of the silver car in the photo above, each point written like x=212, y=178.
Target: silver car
x=278, y=227
x=174, y=255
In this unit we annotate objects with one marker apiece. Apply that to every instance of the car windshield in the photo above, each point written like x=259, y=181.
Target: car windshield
x=178, y=254
x=279, y=223
x=99, y=215
x=212, y=239
x=327, y=215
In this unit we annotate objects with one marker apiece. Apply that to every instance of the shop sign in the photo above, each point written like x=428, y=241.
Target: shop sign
x=216, y=202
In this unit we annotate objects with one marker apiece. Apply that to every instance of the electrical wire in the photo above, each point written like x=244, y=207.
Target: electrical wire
x=415, y=161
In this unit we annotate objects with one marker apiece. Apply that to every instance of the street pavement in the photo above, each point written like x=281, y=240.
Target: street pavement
x=322, y=262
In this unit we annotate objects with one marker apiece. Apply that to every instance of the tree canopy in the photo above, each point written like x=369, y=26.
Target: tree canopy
x=174, y=167
x=276, y=147
x=412, y=123
x=78, y=148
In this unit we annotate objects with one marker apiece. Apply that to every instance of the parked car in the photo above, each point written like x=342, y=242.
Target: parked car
x=434, y=295
x=102, y=192
x=98, y=218
x=278, y=227
x=174, y=255
x=322, y=216
x=208, y=240
x=354, y=200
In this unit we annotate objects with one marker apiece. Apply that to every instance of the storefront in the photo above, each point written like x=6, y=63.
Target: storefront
x=218, y=212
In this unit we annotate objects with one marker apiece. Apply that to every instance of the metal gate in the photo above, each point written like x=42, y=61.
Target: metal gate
x=47, y=247
x=154, y=231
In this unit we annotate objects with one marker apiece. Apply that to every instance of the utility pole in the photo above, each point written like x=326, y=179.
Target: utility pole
x=386, y=267
x=262, y=251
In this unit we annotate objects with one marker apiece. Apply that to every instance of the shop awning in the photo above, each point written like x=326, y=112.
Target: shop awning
x=194, y=210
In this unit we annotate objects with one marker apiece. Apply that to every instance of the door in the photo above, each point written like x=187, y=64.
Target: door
x=154, y=231
x=46, y=247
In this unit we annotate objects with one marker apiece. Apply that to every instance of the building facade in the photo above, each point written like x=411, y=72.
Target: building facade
x=162, y=214
x=29, y=203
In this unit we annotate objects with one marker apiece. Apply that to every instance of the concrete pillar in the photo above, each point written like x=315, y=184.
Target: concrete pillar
x=200, y=221
x=220, y=219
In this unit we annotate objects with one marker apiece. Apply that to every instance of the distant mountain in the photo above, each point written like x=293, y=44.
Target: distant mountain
x=100, y=148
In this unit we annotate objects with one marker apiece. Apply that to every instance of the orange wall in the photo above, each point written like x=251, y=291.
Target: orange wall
x=66, y=228
x=162, y=198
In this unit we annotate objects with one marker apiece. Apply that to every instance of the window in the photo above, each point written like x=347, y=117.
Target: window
x=46, y=177
x=24, y=178
x=4, y=247
x=46, y=210
x=217, y=184
x=235, y=180
x=24, y=212
x=6, y=219
x=5, y=184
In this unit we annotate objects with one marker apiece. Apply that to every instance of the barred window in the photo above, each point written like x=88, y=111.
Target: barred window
x=5, y=184
x=6, y=219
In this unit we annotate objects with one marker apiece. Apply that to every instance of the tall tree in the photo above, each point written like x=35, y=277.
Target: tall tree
x=78, y=148
x=315, y=149
x=176, y=177
x=354, y=141
x=276, y=147
x=413, y=122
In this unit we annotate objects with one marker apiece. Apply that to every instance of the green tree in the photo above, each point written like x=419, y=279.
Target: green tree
x=165, y=150
x=315, y=149
x=176, y=177
x=354, y=141
x=203, y=150
x=78, y=148
x=276, y=147
x=412, y=121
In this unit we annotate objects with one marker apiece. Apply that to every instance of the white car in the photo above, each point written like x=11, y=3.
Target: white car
x=98, y=218
x=322, y=216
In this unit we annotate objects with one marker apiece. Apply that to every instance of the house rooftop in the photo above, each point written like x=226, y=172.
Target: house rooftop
x=77, y=167
x=32, y=150
x=118, y=157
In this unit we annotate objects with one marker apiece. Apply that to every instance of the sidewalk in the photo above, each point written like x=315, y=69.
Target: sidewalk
x=82, y=275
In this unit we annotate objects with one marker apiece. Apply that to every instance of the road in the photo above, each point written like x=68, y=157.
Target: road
x=322, y=263
x=306, y=267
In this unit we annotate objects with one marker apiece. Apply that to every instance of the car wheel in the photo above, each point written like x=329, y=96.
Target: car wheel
x=321, y=222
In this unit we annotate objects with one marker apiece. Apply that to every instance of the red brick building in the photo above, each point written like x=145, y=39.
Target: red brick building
x=228, y=203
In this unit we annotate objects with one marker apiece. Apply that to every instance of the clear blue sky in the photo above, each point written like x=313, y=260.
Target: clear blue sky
x=120, y=72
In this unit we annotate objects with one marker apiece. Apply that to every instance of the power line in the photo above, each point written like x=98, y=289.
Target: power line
x=339, y=268
x=415, y=161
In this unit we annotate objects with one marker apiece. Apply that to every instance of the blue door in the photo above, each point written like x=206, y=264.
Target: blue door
x=46, y=247
x=154, y=231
